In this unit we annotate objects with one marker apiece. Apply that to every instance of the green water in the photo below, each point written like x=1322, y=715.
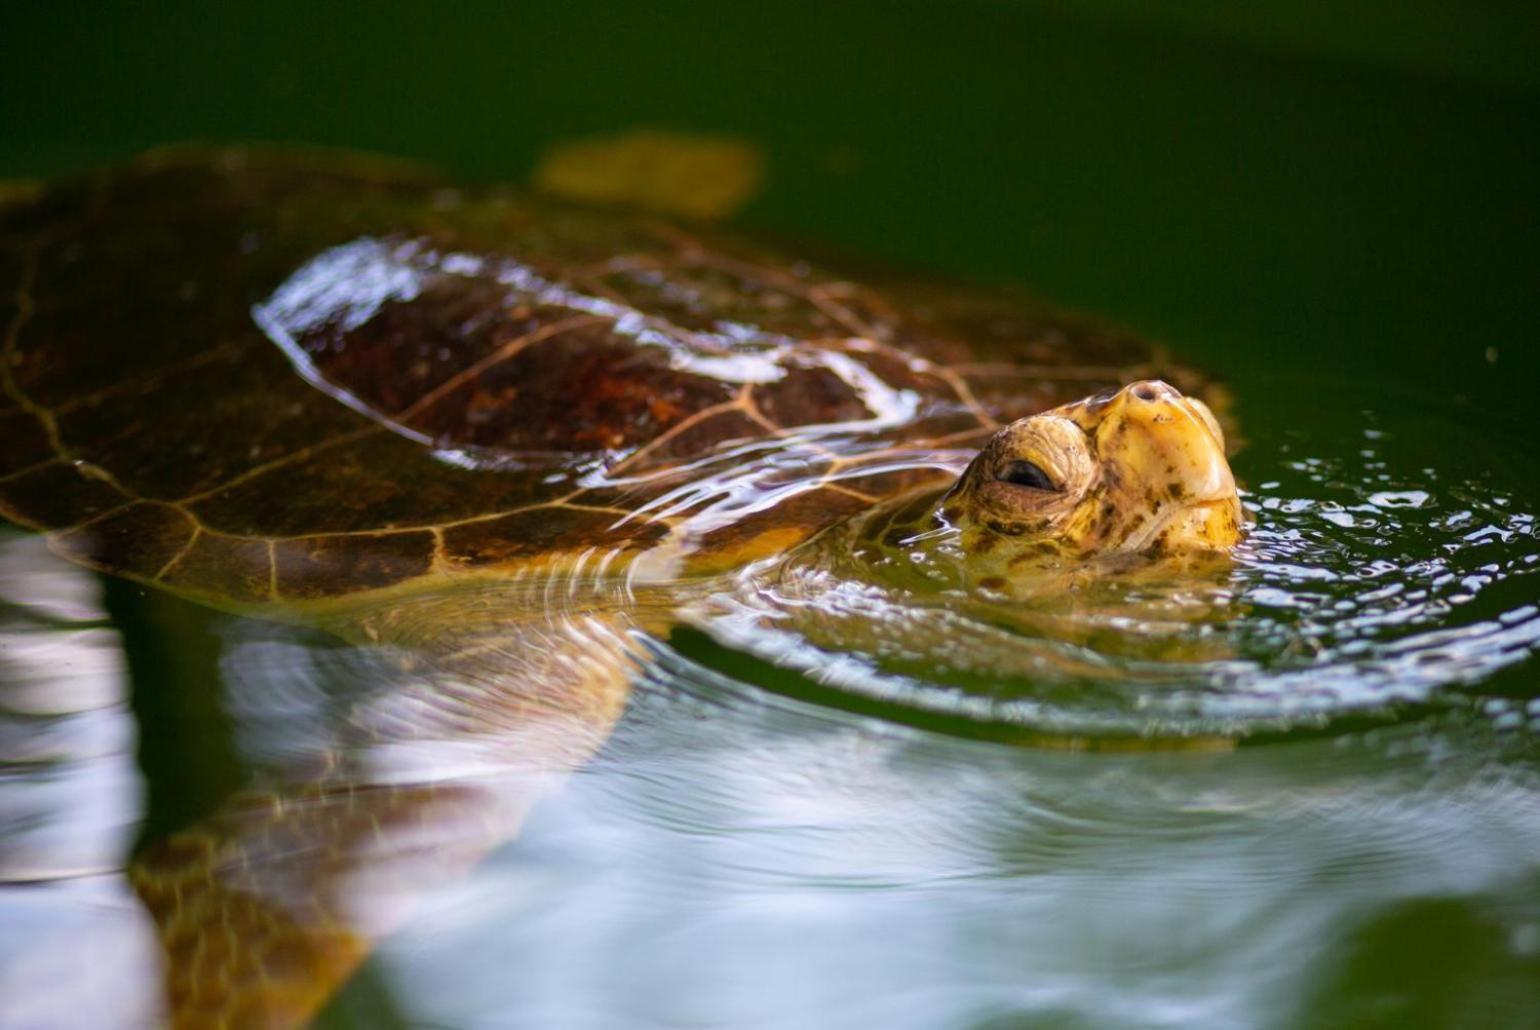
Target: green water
x=1349, y=241
x=1381, y=570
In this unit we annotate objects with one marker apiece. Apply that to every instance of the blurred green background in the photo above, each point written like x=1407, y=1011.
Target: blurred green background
x=1286, y=191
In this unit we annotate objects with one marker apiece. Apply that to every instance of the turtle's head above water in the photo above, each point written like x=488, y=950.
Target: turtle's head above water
x=1139, y=471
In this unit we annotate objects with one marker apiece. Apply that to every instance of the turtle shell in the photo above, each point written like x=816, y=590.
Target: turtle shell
x=258, y=377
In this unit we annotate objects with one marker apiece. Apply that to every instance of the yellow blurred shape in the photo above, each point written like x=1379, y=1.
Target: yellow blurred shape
x=705, y=177
x=15, y=191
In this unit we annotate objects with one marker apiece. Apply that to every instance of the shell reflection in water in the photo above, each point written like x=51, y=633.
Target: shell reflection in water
x=792, y=864
x=70, y=801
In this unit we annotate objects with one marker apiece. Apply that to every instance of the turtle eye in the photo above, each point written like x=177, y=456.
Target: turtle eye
x=1027, y=474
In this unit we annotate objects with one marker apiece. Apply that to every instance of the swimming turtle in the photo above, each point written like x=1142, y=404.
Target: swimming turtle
x=508, y=439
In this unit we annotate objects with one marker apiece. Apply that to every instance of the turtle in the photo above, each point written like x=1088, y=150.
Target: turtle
x=508, y=440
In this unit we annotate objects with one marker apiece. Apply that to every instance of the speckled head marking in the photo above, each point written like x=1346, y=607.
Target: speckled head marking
x=1136, y=471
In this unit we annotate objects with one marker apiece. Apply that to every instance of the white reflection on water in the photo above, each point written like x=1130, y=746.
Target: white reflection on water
x=70, y=801
x=737, y=858
x=730, y=862
x=68, y=785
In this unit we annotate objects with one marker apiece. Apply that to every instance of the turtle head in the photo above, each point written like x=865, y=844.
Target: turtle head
x=1137, y=471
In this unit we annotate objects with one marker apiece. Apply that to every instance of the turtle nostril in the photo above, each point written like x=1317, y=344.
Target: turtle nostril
x=1145, y=392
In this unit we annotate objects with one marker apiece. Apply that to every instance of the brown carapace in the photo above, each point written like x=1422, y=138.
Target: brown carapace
x=261, y=380
x=343, y=390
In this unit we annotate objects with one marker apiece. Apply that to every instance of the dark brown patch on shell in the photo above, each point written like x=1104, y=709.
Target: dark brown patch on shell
x=58, y=495
x=139, y=539
x=410, y=346
x=191, y=429
x=529, y=534
x=810, y=395
x=25, y=443
x=587, y=390
x=1009, y=394
x=799, y=516
x=154, y=281
x=711, y=432
x=380, y=481
x=231, y=567
x=324, y=565
x=701, y=298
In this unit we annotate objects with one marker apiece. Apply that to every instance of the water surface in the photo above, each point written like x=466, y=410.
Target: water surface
x=1335, y=820
x=1336, y=815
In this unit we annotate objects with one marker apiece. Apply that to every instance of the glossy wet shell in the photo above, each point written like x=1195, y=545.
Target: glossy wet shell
x=259, y=378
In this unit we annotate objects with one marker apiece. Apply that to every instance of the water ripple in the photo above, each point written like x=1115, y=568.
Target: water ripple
x=1395, y=575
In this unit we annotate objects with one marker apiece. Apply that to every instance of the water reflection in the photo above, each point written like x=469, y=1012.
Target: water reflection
x=70, y=800
x=66, y=735
x=732, y=862
x=738, y=856
x=1380, y=576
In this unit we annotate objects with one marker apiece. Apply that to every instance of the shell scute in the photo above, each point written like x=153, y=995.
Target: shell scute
x=259, y=410
x=365, y=483
x=321, y=566
x=815, y=393
x=694, y=294
x=775, y=528
x=57, y=495
x=26, y=441
x=231, y=568
x=551, y=530
x=141, y=539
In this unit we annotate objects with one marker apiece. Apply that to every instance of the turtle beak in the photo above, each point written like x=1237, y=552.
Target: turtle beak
x=1163, y=454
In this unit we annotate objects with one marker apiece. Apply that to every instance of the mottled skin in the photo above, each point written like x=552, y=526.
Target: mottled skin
x=1137, y=473
x=504, y=438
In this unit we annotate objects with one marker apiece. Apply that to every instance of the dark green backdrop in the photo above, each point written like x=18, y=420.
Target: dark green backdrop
x=1282, y=190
